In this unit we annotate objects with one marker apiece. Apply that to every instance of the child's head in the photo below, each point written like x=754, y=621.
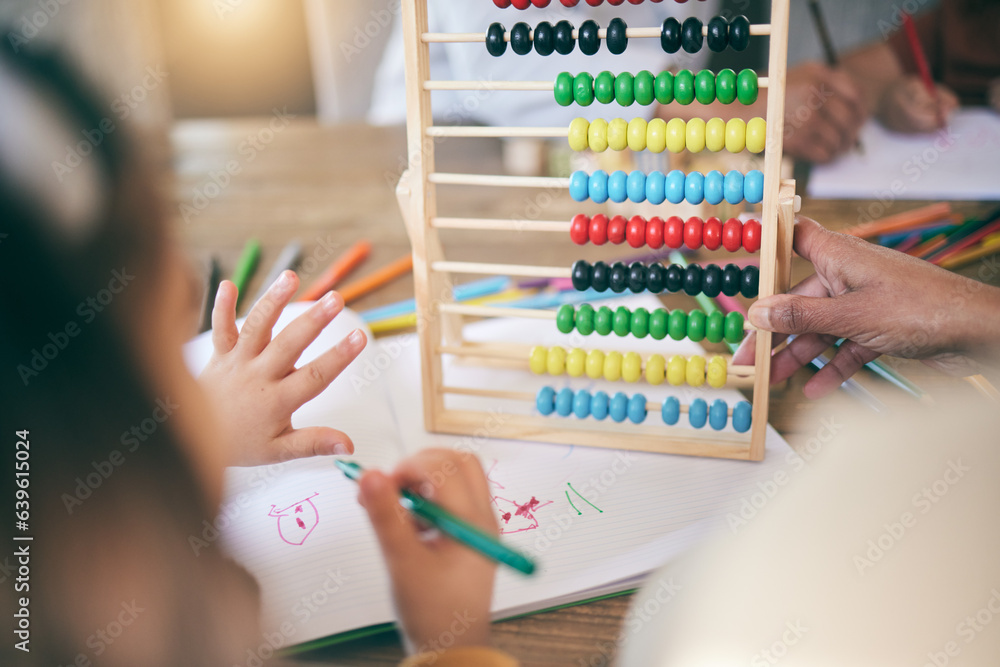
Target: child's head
x=123, y=458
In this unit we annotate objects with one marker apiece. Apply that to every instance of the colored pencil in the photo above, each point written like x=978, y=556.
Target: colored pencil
x=920, y=58
x=901, y=221
x=383, y=276
x=960, y=242
x=287, y=260
x=457, y=529
x=832, y=60
x=988, y=246
x=337, y=270
x=245, y=267
x=462, y=292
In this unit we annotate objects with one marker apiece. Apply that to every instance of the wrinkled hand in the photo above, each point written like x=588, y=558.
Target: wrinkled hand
x=907, y=106
x=824, y=112
x=883, y=302
x=441, y=588
x=254, y=382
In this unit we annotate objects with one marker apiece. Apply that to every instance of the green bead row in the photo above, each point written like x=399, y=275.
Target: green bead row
x=684, y=87
x=695, y=325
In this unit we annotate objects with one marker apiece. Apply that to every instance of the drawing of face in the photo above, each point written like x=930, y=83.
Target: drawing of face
x=297, y=521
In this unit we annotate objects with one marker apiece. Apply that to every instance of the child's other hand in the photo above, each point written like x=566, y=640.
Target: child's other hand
x=907, y=106
x=883, y=302
x=442, y=589
x=255, y=383
x=824, y=112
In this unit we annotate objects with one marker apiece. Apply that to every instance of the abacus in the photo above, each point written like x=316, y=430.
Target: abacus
x=588, y=418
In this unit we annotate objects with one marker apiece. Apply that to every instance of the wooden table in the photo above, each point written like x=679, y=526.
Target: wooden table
x=329, y=186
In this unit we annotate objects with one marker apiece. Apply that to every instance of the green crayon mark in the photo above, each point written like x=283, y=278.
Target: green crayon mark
x=583, y=499
x=570, y=501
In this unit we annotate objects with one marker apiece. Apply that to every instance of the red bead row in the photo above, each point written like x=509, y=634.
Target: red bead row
x=524, y=4
x=672, y=232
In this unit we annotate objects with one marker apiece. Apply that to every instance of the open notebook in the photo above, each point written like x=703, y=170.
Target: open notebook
x=597, y=520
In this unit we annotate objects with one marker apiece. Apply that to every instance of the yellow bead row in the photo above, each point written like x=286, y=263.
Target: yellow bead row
x=676, y=135
x=614, y=366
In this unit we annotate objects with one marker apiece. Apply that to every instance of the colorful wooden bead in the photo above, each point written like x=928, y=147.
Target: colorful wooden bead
x=751, y=282
x=739, y=33
x=675, y=278
x=555, y=361
x=693, y=232
x=675, y=182
x=637, y=135
x=600, y=277
x=692, y=280
x=545, y=400
x=590, y=40
x=746, y=86
x=520, y=38
x=656, y=187
x=625, y=89
x=578, y=229
x=734, y=327
x=631, y=367
x=544, y=39
x=538, y=360
x=732, y=187
x=583, y=89
x=704, y=87
x=696, y=371
x=684, y=87
x=656, y=369
x=496, y=45
x=598, y=231
x=742, y=413
x=581, y=404
x=622, y=323
x=676, y=370
x=598, y=187
x=597, y=135
x=715, y=134
x=673, y=231
x=579, y=183
x=725, y=86
x=715, y=373
x=696, y=325
x=732, y=278
x=654, y=228
x=714, y=187
x=599, y=404
x=618, y=185
x=676, y=137
x=578, y=134
x=637, y=408
x=656, y=135
x=732, y=234
x=718, y=414
x=656, y=278
x=698, y=413
x=635, y=231
x=718, y=34
x=603, y=321
x=671, y=410
x=639, y=324
x=751, y=236
x=736, y=135
x=615, y=36
x=562, y=89
x=585, y=319
x=753, y=186
x=617, y=228
x=677, y=324
x=565, y=318
x=635, y=186
x=562, y=35
x=691, y=34
x=756, y=139
x=694, y=136
x=644, y=90
x=618, y=410
x=658, y=321
x=670, y=35
x=604, y=87
x=618, y=277
x=663, y=87
x=636, y=279
x=594, y=364
x=715, y=327
x=575, y=359
x=564, y=402
x=711, y=233
x=613, y=366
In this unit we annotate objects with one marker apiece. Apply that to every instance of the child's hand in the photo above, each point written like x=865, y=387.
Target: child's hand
x=824, y=112
x=883, y=302
x=907, y=106
x=254, y=380
x=442, y=589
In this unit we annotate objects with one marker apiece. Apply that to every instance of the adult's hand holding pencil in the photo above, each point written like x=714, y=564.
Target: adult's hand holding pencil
x=439, y=586
x=883, y=302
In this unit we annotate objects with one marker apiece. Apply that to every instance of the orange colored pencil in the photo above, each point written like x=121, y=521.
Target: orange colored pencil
x=337, y=270
x=385, y=275
x=901, y=221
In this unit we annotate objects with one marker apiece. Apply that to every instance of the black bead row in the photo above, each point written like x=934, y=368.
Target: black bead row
x=710, y=280
x=558, y=38
x=721, y=33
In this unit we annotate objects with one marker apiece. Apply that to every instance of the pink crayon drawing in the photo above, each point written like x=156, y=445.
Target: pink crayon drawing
x=297, y=521
x=515, y=517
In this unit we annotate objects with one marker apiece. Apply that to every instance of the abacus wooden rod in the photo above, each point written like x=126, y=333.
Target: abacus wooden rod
x=503, y=269
x=529, y=313
x=442, y=178
x=543, y=86
x=496, y=131
x=515, y=354
x=756, y=29
x=526, y=396
x=499, y=224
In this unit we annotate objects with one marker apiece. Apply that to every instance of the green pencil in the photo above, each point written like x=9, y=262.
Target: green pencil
x=459, y=530
x=245, y=267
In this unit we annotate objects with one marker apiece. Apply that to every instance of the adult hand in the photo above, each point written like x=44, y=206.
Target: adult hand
x=824, y=112
x=883, y=302
x=907, y=106
x=442, y=589
x=255, y=383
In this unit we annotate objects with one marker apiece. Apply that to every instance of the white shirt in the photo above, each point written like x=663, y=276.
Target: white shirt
x=471, y=62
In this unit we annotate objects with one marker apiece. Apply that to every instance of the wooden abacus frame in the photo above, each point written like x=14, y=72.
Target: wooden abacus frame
x=440, y=327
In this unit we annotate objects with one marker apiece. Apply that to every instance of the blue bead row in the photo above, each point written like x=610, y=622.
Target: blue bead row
x=620, y=407
x=674, y=187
